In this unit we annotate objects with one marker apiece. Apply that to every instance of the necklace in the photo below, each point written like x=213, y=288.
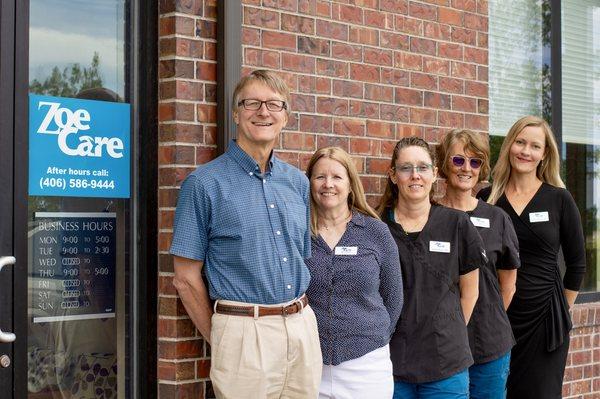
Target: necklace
x=345, y=220
x=412, y=227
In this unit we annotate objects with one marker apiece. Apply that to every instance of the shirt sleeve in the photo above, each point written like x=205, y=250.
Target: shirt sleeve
x=307, y=233
x=572, y=242
x=471, y=254
x=390, y=277
x=510, y=246
x=192, y=218
x=484, y=193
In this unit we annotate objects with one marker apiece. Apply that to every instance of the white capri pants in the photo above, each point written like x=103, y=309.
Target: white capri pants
x=369, y=376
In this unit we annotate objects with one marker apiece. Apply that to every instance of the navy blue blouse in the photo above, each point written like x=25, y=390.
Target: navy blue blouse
x=355, y=289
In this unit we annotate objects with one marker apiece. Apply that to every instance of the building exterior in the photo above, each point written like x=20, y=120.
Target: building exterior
x=363, y=74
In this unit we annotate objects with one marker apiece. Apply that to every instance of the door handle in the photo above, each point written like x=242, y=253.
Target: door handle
x=7, y=337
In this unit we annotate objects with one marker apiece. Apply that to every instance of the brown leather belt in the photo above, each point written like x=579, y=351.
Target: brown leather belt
x=284, y=311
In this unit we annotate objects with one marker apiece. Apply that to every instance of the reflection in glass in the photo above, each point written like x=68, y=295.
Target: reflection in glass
x=77, y=49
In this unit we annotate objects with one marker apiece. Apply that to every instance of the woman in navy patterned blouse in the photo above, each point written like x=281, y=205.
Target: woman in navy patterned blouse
x=356, y=282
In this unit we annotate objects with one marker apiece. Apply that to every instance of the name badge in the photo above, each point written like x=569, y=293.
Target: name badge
x=439, y=246
x=346, y=250
x=536, y=217
x=480, y=222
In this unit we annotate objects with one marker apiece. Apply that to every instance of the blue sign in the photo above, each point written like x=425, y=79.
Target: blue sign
x=78, y=148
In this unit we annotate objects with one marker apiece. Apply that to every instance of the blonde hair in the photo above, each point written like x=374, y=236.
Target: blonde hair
x=548, y=169
x=356, y=197
x=390, y=195
x=268, y=78
x=473, y=142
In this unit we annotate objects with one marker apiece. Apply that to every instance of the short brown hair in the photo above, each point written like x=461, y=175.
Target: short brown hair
x=268, y=78
x=473, y=143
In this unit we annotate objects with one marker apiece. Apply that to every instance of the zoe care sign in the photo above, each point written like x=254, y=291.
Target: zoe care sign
x=78, y=148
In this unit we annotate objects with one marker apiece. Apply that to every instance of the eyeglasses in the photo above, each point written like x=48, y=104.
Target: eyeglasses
x=459, y=161
x=407, y=169
x=254, y=105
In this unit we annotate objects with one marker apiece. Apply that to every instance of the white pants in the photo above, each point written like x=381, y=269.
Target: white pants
x=369, y=376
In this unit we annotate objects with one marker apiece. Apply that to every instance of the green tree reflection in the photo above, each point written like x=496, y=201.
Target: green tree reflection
x=70, y=81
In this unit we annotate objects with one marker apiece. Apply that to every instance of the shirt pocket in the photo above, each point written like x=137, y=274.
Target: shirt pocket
x=295, y=217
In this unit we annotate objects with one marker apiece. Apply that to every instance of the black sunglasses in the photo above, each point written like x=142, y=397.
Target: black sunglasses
x=459, y=161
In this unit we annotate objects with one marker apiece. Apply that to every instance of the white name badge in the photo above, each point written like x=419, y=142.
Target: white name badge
x=439, y=246
x=480, y=222
x=536, y=217
x=346, y=250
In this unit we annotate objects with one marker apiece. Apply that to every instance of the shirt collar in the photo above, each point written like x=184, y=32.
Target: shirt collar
x=358, y=219
x=246, y=161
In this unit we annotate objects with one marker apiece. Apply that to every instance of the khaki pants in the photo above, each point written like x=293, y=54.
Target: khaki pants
x=265, y=358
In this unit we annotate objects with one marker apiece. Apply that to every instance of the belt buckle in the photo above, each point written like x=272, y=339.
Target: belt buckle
x=284, y=310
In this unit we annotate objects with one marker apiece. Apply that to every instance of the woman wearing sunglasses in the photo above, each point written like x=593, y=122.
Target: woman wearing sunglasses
x=527, y=185
x=440, y=252
x=464, y=161
x=356, y=284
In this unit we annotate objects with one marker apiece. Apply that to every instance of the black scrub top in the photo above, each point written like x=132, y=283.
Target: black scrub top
x=431, y=342
x=550, y=221
x=490, y=334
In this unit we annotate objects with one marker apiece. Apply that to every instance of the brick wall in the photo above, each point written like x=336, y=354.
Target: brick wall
x=187, y=137
x=363, y=74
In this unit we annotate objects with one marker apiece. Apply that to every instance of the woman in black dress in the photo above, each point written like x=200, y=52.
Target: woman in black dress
x=527, y=185
x=464, y=160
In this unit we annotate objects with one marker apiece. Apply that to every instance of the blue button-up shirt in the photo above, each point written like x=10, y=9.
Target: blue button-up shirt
x=250, y=229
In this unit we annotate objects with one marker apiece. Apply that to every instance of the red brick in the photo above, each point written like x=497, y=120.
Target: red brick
x=206, y=29
x=463, y=70
x=423, y=116
x=435, y=30
x=476, y=55
x=380, y=129
x=176, y=68
x=176, y=328
x=210, y=51
x=476, y=89
x=395, y=6
x=181, y=132
x=377, y=166
x=476, y=122
x=465, y=36
x=396, y=77
x=343, y=88
x=203, y=367
x=450, y=16
x=205, y=154
x=581, y=357
x=333, y=141
x=482, y=39
x=289, y=157
x=346, y=52
x=408, y=96
x=465, y=104
x=279, y=40
x=189, y=7
x=303, y=103
x=362, y=146
x=436, y=100
x=176, y=371
x=298, y=24
x=206, y=113
x=348, y=13
x=408, y=61
x=170, y=306
x=394, y=41
x=371, y=184
x=482, y=7
x=450, y=50
x=315, y=124
x=466, y=5
x=422, y=46
x=261, y=17
x=263, y=58
x=452, y=120
x=422, y=11
x=363, y=36
x=377, y=19
x=182, y=391
x=332, y=68
x=314, y=46
x=423, y=81
x=323, y=8
x=379, y=93
x=364, y=109
x=332, y=106
x=180, y=155
x=298, y=141
x=289, y=5
x=394, y=113
x=297, y=63
x=349, y=127
x=483, y=106
x=477, y=22
x=408, y=25
x=332, y=30
x=364, y=73
x=378, y=56
x=250, y=36
x=436, y=66
x=206, y=71
x=189, y=48
x=406, y=131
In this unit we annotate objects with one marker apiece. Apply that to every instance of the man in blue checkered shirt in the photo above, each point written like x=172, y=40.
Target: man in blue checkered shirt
x=244, y=217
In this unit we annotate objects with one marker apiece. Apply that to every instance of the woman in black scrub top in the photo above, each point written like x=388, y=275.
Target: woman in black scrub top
x=464, y=160
x=527, y=185
x=440, y=252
